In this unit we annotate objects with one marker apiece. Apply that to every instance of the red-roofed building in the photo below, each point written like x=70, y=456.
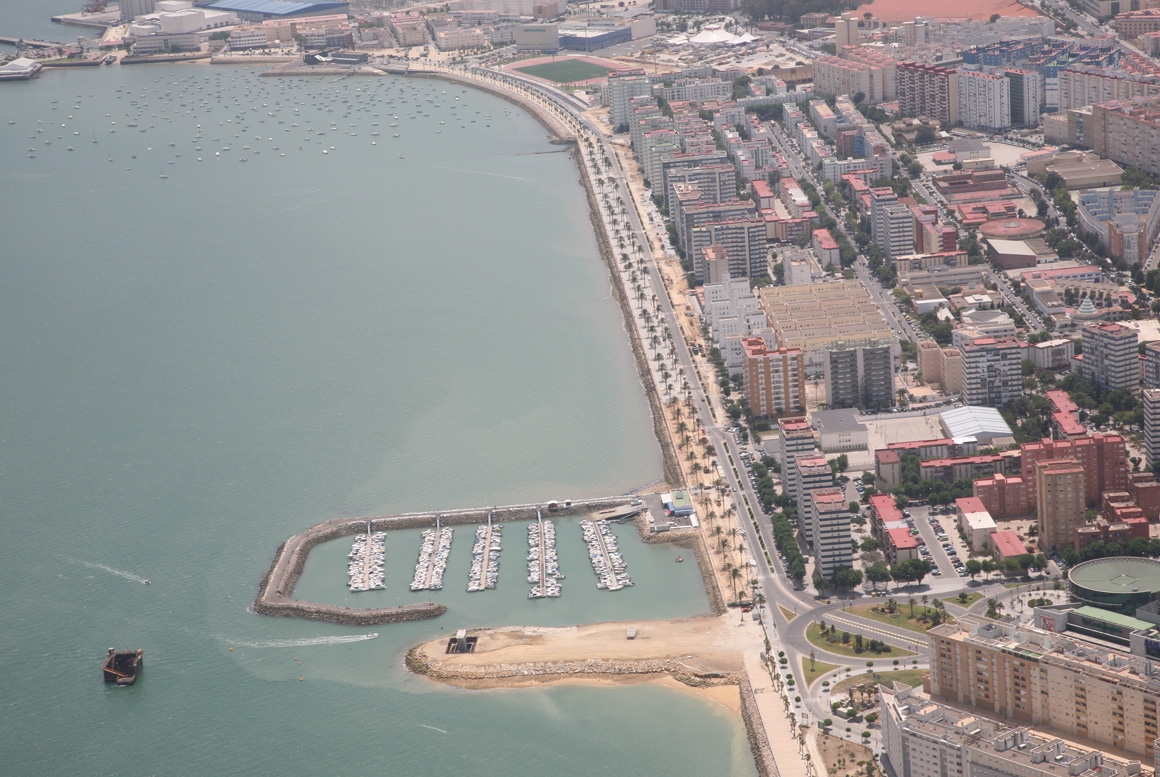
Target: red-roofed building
x=926, y=449
x=962, y=468
x=899, y=545
x=1061, y=401
x=763, y=194
x=1104, y=459
x=888, y=468
x=1005, y=497
x=775, y=380
x=1006, y=544
x=1145, y=493
x=1067, y=427
x=826, y=248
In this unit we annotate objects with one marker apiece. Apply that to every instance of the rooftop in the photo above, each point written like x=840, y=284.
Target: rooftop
x=972, y=421
x=837, y=421
x=1007, y=543
x=1117, y=575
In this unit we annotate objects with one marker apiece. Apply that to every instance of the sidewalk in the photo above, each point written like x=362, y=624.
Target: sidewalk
x=786, y=752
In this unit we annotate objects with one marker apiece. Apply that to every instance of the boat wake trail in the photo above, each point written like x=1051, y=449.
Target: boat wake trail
x=421, y=725
x=118, y=572
x=307, y=641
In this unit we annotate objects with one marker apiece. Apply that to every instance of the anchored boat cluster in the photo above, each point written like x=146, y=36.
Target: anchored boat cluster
x=366, y=561
x=543, y=566
x=485, y=557
x=433, y=555
x=611, y=571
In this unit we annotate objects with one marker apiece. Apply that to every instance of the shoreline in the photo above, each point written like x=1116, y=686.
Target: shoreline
x=670, y=462
x=663, y=653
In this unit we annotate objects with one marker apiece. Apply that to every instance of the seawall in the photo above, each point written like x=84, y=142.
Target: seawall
x=276, y=589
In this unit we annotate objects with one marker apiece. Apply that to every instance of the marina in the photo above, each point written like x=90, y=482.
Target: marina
x=433, y=555
x=607, y=563
x=543, y=565
x=367, y=553
x=484, y=570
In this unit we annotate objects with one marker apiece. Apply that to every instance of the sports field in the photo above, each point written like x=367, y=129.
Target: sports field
x=566, y=71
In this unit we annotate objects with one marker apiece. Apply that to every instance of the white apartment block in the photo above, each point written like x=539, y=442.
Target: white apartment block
x=992, y=371
x=1111, y=356
x=828, y=513
x=621, y=88
x=1151, y=399
x=924, y=738
x=984, y=100
x=1082, y=85
x=734, y=313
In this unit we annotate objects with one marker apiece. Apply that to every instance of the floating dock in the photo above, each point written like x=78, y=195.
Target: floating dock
x=367, y=553
x=543, y=565
x=433, y=555
x=485, y=557
x=607, y=563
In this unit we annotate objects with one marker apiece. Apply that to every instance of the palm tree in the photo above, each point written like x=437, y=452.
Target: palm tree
x=734, y=576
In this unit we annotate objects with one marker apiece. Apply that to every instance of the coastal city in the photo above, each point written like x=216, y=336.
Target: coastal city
x=891, y=282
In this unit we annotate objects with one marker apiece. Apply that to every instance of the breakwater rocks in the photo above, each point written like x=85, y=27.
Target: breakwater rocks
x=276, y=590
x=755, y=731
x=546, y=670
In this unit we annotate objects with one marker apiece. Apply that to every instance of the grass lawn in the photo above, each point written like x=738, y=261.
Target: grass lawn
x=972, y=597
x=566, y=71
x=814, y=635
x=912, y=677
x=820, y=668
x=788, y=614
x=902, y=618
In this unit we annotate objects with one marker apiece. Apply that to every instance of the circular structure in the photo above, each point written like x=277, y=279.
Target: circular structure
x=1119, y=583
x=1012, y=229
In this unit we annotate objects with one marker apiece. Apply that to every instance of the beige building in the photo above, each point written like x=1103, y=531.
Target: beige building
x=1059, y=501
x=924, y=738
x=774, y=379
x=942, y=366
x=819, y=315
x=1023, y=673
x=1128, y=131
x=1079, y=169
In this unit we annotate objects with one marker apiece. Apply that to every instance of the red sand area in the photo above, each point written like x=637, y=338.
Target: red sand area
x=608, y=63
x=979, y=10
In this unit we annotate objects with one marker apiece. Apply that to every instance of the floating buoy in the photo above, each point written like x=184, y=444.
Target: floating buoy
x=231, y=648
x=300, y=679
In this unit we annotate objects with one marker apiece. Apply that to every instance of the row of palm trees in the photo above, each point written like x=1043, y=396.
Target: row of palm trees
x=636, y=271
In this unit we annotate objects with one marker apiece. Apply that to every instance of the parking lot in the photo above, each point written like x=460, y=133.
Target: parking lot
x=936, y=530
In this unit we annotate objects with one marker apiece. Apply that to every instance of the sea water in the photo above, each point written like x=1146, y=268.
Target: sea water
x=201, y=358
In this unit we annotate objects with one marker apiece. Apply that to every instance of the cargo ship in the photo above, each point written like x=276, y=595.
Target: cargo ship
x=123, y=667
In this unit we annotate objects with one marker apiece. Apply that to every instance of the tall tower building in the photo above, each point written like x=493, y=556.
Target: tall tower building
x=795, y=435
x=860, y=374
x=622, y=86
x=891, y=223
x=828, y=514
x=775, y=380
x=1110, y=356
x=1151, y=397
x=813, y=473
x=1059, y=498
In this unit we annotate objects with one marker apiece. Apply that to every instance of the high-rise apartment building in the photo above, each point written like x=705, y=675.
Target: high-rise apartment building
x=1128, y=132
x=794, y=436
x=984, y=100
x=775, y=380
x=828, y=513
x=891, y=223
x=992, y=371
x=1152, y=364
x=1104, y=458
x=1020, y=672
x=1060, y=503
x=622, y=86
x=1151, y=397
x=1026, y=96
x=928, y=90
x=813, y=473
x=860, y=374
x=924, y=738
x=1110, y=356
x=744, y=242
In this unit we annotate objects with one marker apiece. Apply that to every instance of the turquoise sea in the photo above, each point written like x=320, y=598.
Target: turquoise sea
x=200, y=358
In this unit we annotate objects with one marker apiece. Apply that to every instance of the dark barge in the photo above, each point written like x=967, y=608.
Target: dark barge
x=122, y=668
